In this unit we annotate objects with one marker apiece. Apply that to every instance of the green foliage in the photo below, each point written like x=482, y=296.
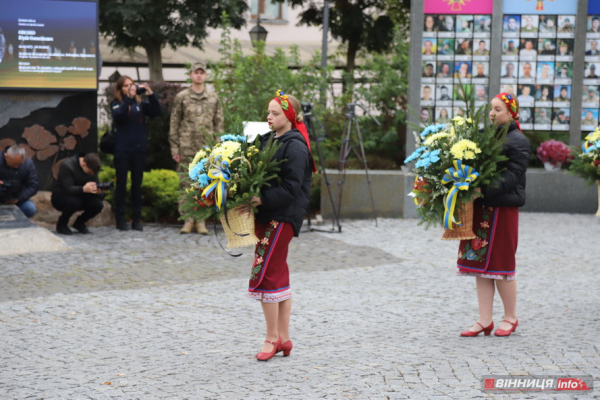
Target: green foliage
x=387, y=97
x=360, y=24
x=587, y=163
x=246, y=84
x=154, y=24
x=159, y=193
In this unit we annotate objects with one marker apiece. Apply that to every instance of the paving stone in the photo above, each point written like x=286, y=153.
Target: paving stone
x=377, y=312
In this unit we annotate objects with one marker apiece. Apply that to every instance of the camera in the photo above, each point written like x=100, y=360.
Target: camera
x=306, y=107
x=105, y=186
x=140, y=90
x=9, y=191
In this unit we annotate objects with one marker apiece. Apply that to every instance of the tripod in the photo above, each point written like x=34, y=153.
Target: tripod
x=309, y=115
x=346, y=148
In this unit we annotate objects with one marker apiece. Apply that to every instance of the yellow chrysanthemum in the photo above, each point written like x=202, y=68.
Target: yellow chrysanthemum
x=594, y=136
x=436, y=136
x=199, y=155
x=460, y=121
x=226, y=149
x=465, y=149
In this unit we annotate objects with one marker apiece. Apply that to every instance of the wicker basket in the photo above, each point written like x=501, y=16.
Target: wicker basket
x=598, y=212
x=464, y=231
x=242, y=224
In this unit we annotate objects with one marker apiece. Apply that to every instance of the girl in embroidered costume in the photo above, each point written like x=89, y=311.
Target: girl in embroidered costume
x=281, y=208
x=491, y=255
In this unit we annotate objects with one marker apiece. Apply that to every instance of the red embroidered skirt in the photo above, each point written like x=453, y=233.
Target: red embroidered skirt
x=492, y=253
x=270, y=276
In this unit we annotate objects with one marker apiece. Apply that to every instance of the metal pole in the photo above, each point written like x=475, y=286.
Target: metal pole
x=324, y=52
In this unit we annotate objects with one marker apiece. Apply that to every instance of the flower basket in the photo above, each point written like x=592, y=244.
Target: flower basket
x=464, y=231
x=239, y=229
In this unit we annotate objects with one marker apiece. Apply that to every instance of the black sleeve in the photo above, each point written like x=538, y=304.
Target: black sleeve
x=292, y=176
x=67, y=181
x=518, y=159
x=31, y=185
x=152, y=107
x=120, y=111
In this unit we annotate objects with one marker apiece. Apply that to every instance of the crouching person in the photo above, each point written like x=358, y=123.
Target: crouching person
x=18, y=180
x=76, y=190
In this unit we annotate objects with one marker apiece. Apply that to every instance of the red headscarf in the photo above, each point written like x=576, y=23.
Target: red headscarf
x=289, y=112
x=511, y=104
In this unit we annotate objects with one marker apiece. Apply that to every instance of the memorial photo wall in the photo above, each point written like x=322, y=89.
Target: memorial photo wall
x=537, y=67
x=590, y=106
x=455, y=50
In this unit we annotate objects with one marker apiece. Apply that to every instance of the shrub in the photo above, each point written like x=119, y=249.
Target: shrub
x=160, y=192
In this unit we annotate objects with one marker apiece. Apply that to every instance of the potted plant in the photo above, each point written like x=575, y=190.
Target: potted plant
x=587, y=163
x=553, y=154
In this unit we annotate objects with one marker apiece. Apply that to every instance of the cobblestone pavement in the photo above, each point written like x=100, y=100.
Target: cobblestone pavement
x=377, y=312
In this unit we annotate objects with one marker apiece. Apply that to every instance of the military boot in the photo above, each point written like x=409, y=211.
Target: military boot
x=187, y=227
x=201, y=228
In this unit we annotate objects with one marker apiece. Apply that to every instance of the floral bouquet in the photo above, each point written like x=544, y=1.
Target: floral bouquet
x=226, y=176
x=587, y=164
x=554, y=152
x=453, y=160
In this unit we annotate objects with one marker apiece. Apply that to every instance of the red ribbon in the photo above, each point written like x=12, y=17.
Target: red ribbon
x=291, y=116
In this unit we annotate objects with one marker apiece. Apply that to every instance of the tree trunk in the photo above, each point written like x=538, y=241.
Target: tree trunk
x=348, y=83
x=153, y=52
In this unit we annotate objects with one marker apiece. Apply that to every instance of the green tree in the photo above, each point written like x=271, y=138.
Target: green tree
x=154, y=24
x=359, y=24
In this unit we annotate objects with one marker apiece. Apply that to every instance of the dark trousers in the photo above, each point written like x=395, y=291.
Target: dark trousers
x=125, y=161
x=91, y=204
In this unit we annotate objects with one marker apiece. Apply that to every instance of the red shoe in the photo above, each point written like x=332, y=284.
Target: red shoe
x=502, y=332
x=286, y=347
x=486, y=331
x=267, y=356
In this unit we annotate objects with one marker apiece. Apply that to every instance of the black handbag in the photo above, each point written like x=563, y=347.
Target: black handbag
x=108, y=142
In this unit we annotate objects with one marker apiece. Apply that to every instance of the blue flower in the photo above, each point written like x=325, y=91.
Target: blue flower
x=233, y=138
x=197, y=169
x=427, y=159
x=203, y=179
x=415, y=155
x=471, y=255
x=431, y=129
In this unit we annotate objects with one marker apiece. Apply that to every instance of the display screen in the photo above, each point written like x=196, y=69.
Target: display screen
x=48, y=44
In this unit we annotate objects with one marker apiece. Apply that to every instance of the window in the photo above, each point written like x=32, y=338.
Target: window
x=269, y=10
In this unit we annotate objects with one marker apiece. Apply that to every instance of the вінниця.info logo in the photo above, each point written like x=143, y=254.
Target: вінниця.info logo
x=508, y=383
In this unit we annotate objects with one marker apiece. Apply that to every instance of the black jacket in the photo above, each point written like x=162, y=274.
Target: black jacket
x=24, y=179
x=129, y=120
x=510, y=191
x=288, y=199
x=71, y=178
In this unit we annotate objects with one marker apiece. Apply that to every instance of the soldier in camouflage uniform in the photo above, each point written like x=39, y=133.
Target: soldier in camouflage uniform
x=196, y=113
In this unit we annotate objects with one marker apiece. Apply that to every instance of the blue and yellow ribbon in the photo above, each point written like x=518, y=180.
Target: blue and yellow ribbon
x=462, y=176
x=588, y=146
x=220, y=175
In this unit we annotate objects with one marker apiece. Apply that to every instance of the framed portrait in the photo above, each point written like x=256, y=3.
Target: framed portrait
x=589, y=118
x=562, y=94
x=547, y=26
x=430, y=23
x=511, y=24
